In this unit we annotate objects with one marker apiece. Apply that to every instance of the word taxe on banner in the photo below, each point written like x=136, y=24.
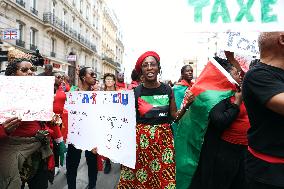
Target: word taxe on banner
x=106, y=120
x=235, y=15
x=29, y=98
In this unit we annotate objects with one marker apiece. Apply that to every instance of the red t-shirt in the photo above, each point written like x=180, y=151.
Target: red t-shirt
x=121, y=86
x=27, y=129
x=59, y=100
x=237, y=132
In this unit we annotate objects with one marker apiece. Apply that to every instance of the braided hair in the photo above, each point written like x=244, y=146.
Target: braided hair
x=82, y=73
x=13, y=66
x=224, y=63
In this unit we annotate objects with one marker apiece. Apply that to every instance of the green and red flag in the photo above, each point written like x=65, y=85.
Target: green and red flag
x=212, y=86
x=179, y=90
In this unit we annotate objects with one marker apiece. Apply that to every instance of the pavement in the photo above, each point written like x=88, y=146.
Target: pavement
x=104, y=181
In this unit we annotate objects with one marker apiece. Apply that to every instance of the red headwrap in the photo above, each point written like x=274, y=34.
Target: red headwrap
x=138, y=66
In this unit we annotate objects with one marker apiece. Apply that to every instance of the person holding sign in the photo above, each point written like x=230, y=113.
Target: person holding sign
x=155, y=110
x=59, y=148
x=87, y=77
x=22, y=142
x=263, y=93
x=110, y=85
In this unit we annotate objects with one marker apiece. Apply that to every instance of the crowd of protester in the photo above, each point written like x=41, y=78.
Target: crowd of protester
x=243, y=146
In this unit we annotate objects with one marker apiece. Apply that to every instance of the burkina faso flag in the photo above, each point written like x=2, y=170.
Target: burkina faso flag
x=212, y=86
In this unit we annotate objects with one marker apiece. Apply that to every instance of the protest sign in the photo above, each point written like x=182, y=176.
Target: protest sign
x=242, y=43
x=235, y=15
x=106, y=120
x=29, y=98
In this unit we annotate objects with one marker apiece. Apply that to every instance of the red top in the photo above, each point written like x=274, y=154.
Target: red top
x=237, y=132
x=132, y=85
x=264, y=157
x=121, y=86
x=25, y=129
x=59, y=100
x=67, y=86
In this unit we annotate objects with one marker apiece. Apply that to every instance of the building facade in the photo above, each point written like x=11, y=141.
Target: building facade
x=112, y=47
x=67, y=33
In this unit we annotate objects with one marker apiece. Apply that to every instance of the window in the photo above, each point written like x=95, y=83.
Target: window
x=52, y=45
x=53, y=8
x=73, y=22
x=33, y=39
x=87, y=12
x=33, y=7
x=21, y=31
x=74, y=3
x=32, y=36
x=64, y=12
x=81, y=6
x=80, y=29
x=53, y=48
x=33, y=4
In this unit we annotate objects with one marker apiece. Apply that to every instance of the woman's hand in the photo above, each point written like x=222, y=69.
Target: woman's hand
x=188, y=98
x=94, y=150
x=238, y=98
x=11, y=124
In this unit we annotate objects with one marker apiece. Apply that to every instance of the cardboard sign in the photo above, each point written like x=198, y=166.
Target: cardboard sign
x=106, y=120
x=29, y=98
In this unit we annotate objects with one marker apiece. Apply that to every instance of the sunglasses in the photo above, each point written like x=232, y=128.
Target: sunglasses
x=92, y=74
x=59, y=77
x=26, y=69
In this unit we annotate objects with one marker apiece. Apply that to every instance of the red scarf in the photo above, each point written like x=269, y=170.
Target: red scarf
x=185, y=83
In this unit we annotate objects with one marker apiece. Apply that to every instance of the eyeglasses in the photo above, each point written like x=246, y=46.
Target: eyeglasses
x=92, y=74
x=26, y=69
x=109, y=79
x=147, y=64
x=59, y=77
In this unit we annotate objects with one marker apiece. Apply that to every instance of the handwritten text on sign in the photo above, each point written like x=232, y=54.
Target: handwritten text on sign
x=105, y=120
x=223, y=15
x=29, y=98
x=242, y=43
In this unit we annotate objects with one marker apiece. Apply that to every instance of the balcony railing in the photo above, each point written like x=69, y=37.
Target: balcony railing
x=21, y=2
x=34, y=11
x=53, y=54
x=62, y=26
x=20, y=43
x=109, y=60
x=33, y=47
x=94, y=48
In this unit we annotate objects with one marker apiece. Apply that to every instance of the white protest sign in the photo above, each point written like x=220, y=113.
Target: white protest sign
x=242, y=43
x=29, y=98
x=106, y=120
x=235, y=15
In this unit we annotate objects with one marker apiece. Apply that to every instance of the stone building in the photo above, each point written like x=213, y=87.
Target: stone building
x=67, y=33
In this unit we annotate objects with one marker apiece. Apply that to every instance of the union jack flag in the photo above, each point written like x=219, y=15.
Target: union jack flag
x=10, y=34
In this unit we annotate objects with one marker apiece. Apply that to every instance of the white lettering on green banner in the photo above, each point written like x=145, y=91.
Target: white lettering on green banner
x=236, y=15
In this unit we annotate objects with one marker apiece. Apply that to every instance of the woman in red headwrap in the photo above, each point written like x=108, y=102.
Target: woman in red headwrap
x=155, y=110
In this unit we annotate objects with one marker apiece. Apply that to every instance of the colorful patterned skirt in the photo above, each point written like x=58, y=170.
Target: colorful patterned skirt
x=155, y=161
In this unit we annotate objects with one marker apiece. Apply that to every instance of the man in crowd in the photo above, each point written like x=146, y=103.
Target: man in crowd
x=120, y=85
x=48, y=68
x=263, y=93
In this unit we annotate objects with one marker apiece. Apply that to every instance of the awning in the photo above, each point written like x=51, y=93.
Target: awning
x=57, y=60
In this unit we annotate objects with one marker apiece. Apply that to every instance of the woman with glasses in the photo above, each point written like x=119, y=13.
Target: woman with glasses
x=22, y=142
x=109, y=85
x=58, y=106
x=88, y=78
x=155, y=110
